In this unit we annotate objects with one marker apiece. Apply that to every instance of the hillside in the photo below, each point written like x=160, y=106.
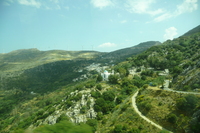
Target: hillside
x=59, y=91
x=28, y=58
x=180, y=56
x=122, y=54
x=192, y=31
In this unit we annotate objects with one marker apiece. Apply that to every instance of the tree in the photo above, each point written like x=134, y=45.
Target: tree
x=119, y=99
x=99, y=87
x=172, y=118
x=118, y=129
x=113, y=79
x=122, y=72
x=109, y=95
x=92, y=123
x=95, y=94
x=99, y=78
x=187, y=103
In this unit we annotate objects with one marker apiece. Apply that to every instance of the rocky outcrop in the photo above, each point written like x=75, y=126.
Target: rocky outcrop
x=80, y=111
x=75, y=114
x=189, y=76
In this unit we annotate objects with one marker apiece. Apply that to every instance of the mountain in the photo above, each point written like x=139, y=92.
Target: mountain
x=28, y=58
x=192, y=31
x=122, y=54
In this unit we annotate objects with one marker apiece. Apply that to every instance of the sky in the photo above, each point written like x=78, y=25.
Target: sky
x=100, y=25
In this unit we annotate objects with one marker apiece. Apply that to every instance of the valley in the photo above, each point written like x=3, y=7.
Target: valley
x=151, y=87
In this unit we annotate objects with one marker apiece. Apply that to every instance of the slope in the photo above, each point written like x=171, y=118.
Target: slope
x=122, y=54
x=192, y=31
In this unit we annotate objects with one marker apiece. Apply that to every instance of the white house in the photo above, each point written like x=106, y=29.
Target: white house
x=106, y=74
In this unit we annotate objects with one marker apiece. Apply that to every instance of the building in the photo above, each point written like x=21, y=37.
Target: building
x=106, y=74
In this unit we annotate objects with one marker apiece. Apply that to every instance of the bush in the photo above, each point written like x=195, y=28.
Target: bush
x=68, y=103
x=119, y=99
x=95, y=94
x=80, y=87
x=99, y=87
x=113, y=79
x=118, y=129
x=172, y=118
x=134, y=130
x=92, y=123
x=109, y=95
x=187, y=103
x=99, y=78
x=90, y=84
x=99, y=116
x=83, y=110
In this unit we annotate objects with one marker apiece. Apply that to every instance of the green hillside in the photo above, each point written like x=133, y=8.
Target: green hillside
x=192, y=31
x=38, y=92
x=122, y=54
x=181, y=56
x=28, y=58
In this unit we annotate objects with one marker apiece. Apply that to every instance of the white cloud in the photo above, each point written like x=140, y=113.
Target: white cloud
x=170, y=33
x=163, y=17
x=106, y=45
x=186, y=6
x=123, y=21
x=30, y=3
x=142, y=7
x=101, y=3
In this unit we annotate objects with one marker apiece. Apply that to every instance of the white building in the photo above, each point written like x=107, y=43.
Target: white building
x=106, y=74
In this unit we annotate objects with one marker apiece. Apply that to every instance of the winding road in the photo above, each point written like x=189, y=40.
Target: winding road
x=166, y=87
x=141, y=115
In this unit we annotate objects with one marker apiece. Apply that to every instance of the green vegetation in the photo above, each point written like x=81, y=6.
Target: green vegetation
x=187, y=103
x=64, y=127
x=36, y=86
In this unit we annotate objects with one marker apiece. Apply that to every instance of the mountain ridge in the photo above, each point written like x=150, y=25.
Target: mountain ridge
x=192, y=31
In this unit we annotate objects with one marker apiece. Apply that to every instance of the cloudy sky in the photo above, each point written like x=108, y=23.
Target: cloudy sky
x=101, y=25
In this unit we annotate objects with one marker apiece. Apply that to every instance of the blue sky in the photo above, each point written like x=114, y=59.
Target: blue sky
x=100, y=25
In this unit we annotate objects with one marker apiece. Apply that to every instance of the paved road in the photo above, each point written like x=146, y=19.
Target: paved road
x=141, y=115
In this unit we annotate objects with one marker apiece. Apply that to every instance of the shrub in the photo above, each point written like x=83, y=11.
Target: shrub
x=187, y=103
x=83, y=110
x=95, y=94
x=119, y=99
x=172, y=118
x=109, y=95
x=99, y=116
x=80, y=87
x=99, y=87
x=113, y=79
x=118, y=129
x=92, y=123
x=99, y=78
